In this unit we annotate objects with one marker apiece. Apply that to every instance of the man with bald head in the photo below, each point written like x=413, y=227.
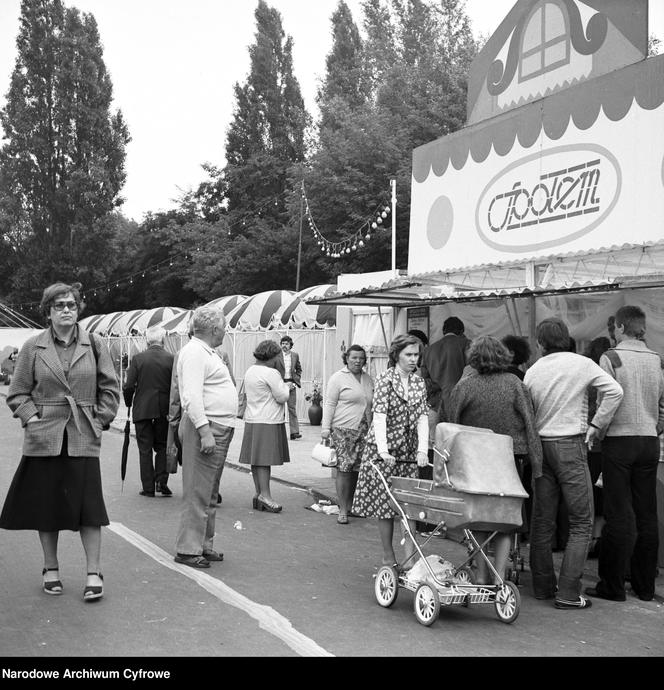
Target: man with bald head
x=146, y=391
x=209, y=405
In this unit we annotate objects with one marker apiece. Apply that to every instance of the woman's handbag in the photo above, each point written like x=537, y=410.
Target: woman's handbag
x=325, y=454
x=241, y=402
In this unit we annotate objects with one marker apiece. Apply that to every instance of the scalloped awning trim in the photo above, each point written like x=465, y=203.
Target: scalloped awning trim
x=614, y=93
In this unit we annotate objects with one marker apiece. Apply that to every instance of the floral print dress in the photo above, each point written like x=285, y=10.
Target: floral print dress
x=403, y=412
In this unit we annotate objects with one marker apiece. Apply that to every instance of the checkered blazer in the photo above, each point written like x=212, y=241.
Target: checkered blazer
x=84, y=403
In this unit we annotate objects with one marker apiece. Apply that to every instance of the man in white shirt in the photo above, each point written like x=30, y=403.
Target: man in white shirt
x=209, y=405
x=558, y=383
x=288, y=365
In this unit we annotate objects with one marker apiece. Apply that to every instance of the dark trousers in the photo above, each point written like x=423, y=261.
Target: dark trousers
x=629, y=475
x=151, y=434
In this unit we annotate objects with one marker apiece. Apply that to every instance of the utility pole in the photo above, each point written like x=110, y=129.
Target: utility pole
x=299, y=244
x=393, y=184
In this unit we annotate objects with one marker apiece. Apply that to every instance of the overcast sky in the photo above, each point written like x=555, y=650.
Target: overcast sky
x=173, y=64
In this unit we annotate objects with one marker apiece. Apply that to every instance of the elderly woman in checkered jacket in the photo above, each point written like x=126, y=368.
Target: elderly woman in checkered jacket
x=65, y=392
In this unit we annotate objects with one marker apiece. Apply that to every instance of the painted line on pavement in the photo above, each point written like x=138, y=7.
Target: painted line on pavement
x=268, y=619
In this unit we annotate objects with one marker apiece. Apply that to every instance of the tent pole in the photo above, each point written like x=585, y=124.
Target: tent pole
x=299, y=245
x=516, y=317
x=532, y=322
x=382, y=327
x=393, y=184
x=509, y=315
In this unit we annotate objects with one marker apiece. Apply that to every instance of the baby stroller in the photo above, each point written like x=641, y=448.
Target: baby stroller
x=475, y=487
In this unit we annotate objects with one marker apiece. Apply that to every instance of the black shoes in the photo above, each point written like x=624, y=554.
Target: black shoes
x=147, y=493
x=580, y=603
x=218, y=498
x=598, y=593
x=294, y=436
x=192, y=560
x=164, y=490
x=213, y=555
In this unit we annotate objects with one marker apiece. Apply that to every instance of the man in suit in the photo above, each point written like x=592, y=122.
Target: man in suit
x=147, y=386
x=442, y=365
x=288, y=365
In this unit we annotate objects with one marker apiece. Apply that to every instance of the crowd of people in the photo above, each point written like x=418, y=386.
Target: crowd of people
x=574, y=420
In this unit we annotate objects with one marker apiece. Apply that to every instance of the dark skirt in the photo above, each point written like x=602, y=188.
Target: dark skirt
x=56, y=493
x=264, y=444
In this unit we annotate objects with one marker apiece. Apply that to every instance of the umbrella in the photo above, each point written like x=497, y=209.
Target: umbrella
x=298, y=314
x=228, y=303
x=258, y=311
x=125, y=449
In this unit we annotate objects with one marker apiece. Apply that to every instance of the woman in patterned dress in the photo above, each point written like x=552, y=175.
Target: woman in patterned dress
x=346, y=417
x=397, y=441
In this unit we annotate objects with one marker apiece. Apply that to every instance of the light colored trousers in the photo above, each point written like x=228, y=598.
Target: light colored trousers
x=200, y=485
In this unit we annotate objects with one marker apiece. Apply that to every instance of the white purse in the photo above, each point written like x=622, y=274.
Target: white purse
x=325, y=454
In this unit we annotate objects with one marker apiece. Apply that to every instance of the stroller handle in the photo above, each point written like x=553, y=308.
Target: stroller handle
x=445, y=455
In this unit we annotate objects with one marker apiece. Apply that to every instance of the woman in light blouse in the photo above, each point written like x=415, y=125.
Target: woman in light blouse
x=264, y=443
x=346, y=418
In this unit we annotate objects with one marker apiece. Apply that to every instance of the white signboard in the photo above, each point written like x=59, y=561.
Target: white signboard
x=586, y=190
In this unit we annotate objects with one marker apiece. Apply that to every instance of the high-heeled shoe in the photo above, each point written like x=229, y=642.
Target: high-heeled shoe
x=51, y=586
x=268, y=504
x=94, y=592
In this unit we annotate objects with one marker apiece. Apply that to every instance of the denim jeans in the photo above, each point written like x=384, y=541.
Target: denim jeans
x=200, y=485
x=629, y=475
x=565, y=470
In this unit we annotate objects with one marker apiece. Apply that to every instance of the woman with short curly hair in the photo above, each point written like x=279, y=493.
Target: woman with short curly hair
x=65, y=393
x=497, y=400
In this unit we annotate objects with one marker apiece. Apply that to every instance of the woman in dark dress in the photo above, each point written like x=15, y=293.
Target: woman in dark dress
x=65, y=393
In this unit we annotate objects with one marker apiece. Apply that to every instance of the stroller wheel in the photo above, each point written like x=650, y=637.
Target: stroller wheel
x=514, y=576
x=386, y=585
x=508, y=602
x=465, y=576
x=427, y=604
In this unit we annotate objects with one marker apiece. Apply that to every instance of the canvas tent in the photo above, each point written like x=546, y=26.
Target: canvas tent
x=550, y=200
x=15, y=329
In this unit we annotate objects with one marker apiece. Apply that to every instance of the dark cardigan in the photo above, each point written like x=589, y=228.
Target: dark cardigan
x=502, y=403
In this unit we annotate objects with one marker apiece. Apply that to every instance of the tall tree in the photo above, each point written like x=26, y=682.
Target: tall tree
x=251, y=194
x=266, y=135
x=63, y=158
x=416, y=59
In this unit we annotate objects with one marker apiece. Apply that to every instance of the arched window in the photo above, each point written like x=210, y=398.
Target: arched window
x=545, y=43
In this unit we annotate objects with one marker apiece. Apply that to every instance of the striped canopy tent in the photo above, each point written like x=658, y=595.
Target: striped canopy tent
x=298, y=314
x=101, y=323
x=152, y=317
x=258, y=311
x=122, y=326
x=228, y=303
x=178, y=323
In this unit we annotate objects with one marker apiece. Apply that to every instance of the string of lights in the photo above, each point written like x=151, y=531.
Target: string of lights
x=129, y=279
x=353, y=242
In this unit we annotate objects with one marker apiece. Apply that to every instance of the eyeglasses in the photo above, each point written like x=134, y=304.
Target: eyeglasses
x=59, y=306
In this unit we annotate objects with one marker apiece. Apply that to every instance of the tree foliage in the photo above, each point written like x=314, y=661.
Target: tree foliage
x=415, y=57
x=62, y=163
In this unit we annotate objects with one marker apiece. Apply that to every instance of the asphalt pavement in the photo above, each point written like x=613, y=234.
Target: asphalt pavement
x=319, y=482
x=316, y=595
